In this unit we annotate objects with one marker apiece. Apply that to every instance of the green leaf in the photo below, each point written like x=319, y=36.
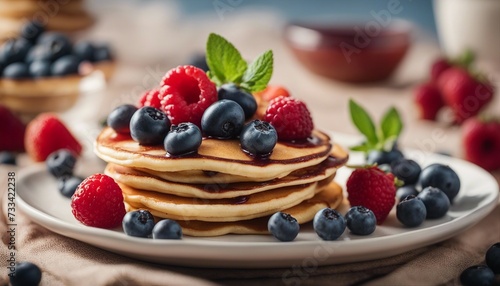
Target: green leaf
x=224, y=60
x=363, y=122
x=391, y=124
x=259, y=72
x=365, y=147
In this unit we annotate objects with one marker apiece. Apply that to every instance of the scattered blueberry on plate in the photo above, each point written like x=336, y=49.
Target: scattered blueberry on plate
x=329, y=224
x=138, y=223
x=283, y=226
x=167, y=229
x=360, y=220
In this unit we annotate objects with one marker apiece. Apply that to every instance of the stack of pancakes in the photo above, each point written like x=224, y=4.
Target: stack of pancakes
x=58, y=15
x=221, y=189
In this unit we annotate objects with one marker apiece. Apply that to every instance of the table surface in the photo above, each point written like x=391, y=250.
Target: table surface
x=155, y=40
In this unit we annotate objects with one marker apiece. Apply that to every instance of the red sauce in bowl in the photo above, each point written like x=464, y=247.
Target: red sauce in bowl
x=362, y=52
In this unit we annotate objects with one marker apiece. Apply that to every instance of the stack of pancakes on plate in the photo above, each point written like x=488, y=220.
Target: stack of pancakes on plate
x=64, y=16
x=221, y=189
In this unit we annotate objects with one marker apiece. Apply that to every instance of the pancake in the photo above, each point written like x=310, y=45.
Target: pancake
x=204, y=177
x=219, y=190
x=304, y=212
x=231, y=209
x=223, y=156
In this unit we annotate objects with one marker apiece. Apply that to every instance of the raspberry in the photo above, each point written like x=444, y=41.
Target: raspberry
x=150, y=98
x=185, y=94
x=46, y=134
x=98, y=202
x=290, y=117
x=372, y=189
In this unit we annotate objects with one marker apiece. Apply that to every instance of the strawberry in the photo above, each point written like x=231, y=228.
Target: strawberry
x=481, y=142
x=438, y=67
x=373, y=189
x=46, y=134
x=12, y=131
x=273, y=91
x=465, y=94
x=429, y=101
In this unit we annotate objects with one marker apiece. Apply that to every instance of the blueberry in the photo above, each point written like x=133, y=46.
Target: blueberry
x=199, y=60
x=223, y=119
x=65, y=65
x=38, y=53
x=258, y=138
x=244, y=99
x=40, y=69
x=441, y=177
x=67, y=185
x=149, y=126
x=436, y=202
x=27, y=274
x=329, y=224
x=32, y=30
x=16, y=71
x=404, y=191
x=411, y=211
x=406, y=170
x=84, y=50
x=138, y=223
x=283, y=226
x=8, y=158
x=102, y=53
x=360, y=220
x=493, y=258
x=183, y=139
x=14, y=50
x=383, y=157
x=119, y=118
x=477, y=275
x=57, y=44
x=61, y=163
x=167, y=229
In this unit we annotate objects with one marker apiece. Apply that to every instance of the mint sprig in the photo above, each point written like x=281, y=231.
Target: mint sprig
x=227, y=65
x=382, y=137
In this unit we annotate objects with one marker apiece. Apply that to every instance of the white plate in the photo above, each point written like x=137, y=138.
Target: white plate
x=38, y=197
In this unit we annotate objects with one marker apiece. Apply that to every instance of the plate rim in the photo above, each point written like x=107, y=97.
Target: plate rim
x=453, y=227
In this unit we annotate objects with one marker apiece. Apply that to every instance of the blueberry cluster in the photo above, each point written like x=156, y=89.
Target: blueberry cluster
x=483, y=274
x=224, y=119
x=141, y=223
x=61, y=164
x=438, y=185
x=328, y=224
x=37, y=53
x=425, y=194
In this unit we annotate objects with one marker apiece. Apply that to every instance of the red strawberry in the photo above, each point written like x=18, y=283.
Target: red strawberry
x=428, y=99
x=11, y=131
x=98, y=202
x=465, y=94
x=46, y=134
x=372, y=188
x=273, y=91
x=481, y=143
x=438, y=67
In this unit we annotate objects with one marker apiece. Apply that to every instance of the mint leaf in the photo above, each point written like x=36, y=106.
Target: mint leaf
x=363, y=122
x=224, y=60
x=364, y=147
x=391, y=124
x=258, y=73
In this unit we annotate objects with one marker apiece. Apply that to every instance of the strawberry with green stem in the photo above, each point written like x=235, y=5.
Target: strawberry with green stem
x=380, y=143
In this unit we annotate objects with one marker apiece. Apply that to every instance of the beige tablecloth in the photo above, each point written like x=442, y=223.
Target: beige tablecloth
x=151, y=39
